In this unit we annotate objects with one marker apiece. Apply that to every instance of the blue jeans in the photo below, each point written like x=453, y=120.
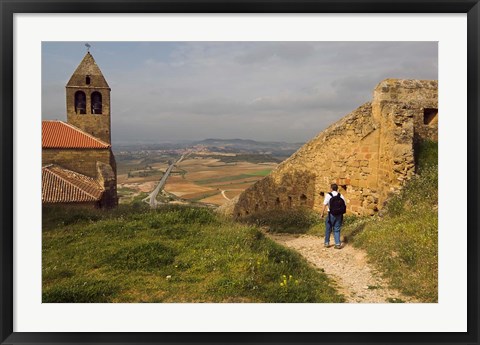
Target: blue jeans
x=334, y=222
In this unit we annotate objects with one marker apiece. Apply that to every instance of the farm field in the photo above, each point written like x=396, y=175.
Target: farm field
x=199, y=179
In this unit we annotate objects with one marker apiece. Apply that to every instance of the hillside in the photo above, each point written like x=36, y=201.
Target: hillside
x=186, y=254
x=172, y=254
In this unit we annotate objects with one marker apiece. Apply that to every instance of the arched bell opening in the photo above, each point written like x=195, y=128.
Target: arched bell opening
x=96, y=102
x=80, y=103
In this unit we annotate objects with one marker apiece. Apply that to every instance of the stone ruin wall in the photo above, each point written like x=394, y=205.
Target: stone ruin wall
x=369, y=153
x=407, y=111
x=107, y=179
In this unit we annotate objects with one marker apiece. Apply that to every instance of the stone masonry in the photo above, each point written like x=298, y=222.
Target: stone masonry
x=83, y=161
x=89, y=80
x=369, y=153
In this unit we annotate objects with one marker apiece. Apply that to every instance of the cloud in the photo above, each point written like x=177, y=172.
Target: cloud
x=259, y=90
x=289, y=51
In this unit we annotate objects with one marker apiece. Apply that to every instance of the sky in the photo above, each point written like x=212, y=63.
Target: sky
x=265, y=91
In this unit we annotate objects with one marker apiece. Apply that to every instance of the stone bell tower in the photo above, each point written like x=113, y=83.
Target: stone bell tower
x=88, y=100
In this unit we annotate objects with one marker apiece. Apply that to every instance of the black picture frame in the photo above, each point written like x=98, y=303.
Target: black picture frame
x=10, y=7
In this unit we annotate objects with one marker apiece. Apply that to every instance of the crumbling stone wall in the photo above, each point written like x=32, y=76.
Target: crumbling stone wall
x=369, y=154
x=402, y=107
x=107, y=179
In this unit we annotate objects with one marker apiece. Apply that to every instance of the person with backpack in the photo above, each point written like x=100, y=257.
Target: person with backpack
x=337, y=206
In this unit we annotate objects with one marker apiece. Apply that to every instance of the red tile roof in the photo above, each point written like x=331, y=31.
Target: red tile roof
x=58, y=134
x=61, y=186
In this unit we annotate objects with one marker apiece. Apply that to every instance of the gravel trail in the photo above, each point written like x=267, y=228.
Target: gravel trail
x=358, y=281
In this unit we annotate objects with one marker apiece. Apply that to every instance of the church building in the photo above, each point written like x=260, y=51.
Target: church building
x=78, y=165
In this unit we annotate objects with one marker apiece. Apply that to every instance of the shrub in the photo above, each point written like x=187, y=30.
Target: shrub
x=419, y=194
x=296, y=221
x=173, y=215
x=426, y=155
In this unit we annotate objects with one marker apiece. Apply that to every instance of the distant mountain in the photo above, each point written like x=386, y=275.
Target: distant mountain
x=275, y=148
x=152, y=146
x=246, y=146
x=211, y=141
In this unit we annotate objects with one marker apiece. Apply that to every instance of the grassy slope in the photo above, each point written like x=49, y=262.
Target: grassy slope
x=174, y=254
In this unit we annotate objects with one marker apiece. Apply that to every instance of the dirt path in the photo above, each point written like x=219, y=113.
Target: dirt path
x=356, y=279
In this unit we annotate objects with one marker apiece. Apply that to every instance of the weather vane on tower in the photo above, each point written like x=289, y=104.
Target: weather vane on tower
x=88, y=47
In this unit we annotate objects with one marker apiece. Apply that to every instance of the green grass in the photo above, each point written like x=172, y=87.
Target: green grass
x=264, y=172
x=250, y=158
x=125, y=191
x=222, y=179
x=172, y=254
x=145, y=173
x=404, y=242
x=206, y=195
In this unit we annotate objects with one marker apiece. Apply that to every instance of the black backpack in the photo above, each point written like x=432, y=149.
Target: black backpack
x=337, y=205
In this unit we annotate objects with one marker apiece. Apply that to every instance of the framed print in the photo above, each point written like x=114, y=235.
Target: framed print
x=241, y=172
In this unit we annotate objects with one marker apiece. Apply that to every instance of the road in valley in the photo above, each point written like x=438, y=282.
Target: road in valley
x=152, y=198
x=223, y=194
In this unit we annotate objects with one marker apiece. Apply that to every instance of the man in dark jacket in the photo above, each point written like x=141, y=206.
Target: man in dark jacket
x=333, y=221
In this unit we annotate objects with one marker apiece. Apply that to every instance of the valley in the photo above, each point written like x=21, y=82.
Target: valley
x=211, y=172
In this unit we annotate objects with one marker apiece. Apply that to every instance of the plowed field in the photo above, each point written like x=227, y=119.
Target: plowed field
x=199, y=179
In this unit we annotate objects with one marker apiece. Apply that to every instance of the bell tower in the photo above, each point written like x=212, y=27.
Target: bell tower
x=88, y=100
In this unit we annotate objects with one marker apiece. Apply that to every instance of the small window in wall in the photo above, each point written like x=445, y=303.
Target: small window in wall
x=303, y=199
x=87, y=80
x=430, y=116
x=80, y=103
x=344, y=187
x=277, y=201
x=289, y=201
x=96, y=102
